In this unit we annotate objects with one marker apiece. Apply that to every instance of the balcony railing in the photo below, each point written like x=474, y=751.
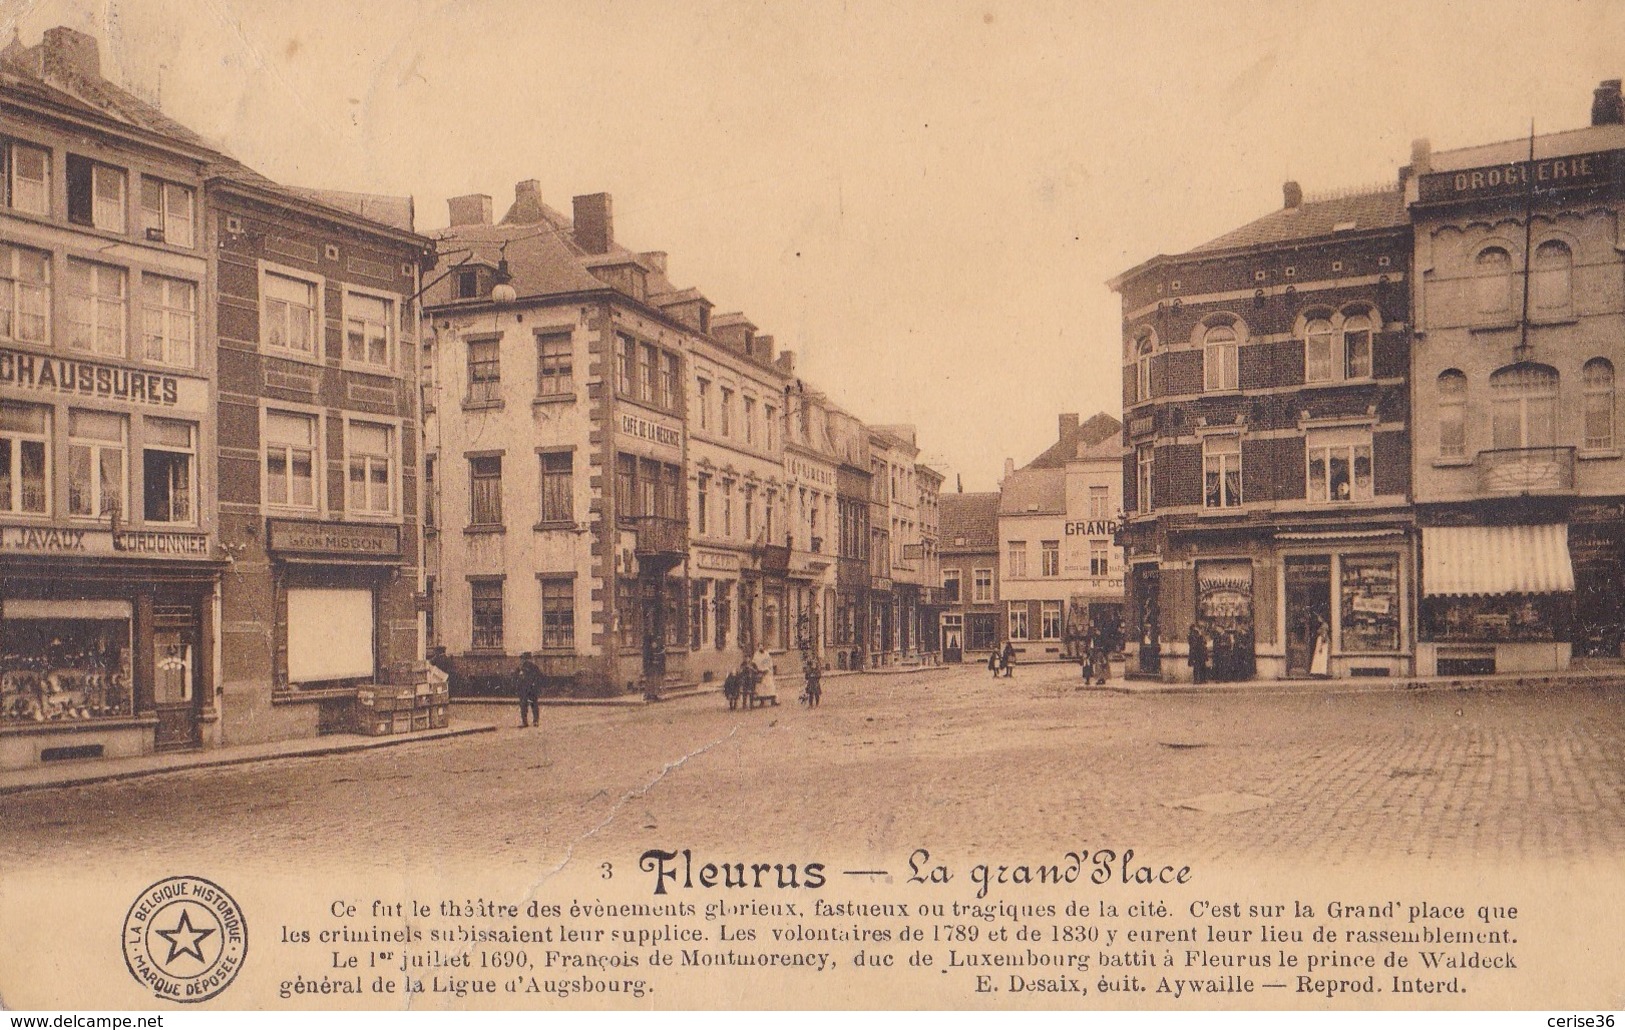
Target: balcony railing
x=661, y=534
x=1526, y=470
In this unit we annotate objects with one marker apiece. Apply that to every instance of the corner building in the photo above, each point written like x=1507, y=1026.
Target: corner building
x=1267, y=464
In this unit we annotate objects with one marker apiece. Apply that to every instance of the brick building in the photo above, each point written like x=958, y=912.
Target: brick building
x=971, y=623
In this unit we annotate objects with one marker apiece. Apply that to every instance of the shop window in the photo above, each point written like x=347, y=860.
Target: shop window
x=1370, y=603
x=1049, y=620
x=65, y=661
x=950, y=586
x=558, y=613
x=1219, y=357
x=27, y=177
x=1357, y=347
x=331, y=634
x=1553, y=284
x=484, y=371
x=25, y=440
x=169, y=315
x=1317, y=351
x=288, y=311
x=1598, y=377
x=982, y=586
x=725, y=614
x=1099, y=558
x=370, y=468
x=96, y=194
x=1221, y=471
x=1451, y=404
x=485, y=490
x=1049, y=557
x=1524, y=406
x=1339, y=465
x=290, y=460
x=1504, y=618
x=369, y=330
x=1015, y=562
x=486, y=605
x=25, y=294
x=1145, y=460
x=97, y=464
x=168, y=471
x=168, y=211
x=97, y=302
x=1018, y=620
x=1492, y=283
x=557, y=501
x=554, y=365
x=981, y=632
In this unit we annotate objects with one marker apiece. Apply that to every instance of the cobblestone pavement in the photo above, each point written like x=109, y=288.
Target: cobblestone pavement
x=942, y=760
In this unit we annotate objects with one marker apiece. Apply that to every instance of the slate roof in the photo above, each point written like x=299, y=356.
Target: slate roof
x=1033, y=491
x=972, y=516
x=1378, y=209
x=1097, y=428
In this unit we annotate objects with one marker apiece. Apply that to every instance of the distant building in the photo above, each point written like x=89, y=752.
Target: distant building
x=971, y=619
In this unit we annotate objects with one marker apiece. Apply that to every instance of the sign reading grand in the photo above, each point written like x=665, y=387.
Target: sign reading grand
x=1093, y=527
x=1518, y=178
x=341, y=539
x=87, y=379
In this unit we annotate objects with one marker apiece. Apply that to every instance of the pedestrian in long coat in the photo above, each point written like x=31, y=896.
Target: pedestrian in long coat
x=1196, y=641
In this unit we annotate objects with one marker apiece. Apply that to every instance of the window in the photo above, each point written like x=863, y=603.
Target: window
x=369, y=330
x=702, y=401
x=1018, y=620
x=749, y=419
x=702, y=503
x=1370, y=603
x=1598, y=377
x=1317, y=351
x=290, y=315
x=1339, y=465
x=1099, y=559
x=97, y=470
x=558, y=502
x=25, y=294
x=485, y=490
x=1142, y=368
x=558, y=613
x=486, y=602
x=626, y=359
x=1015, y=565
x=167, y=211
x=95, y=194
x=431, y=492
x=750, y=510
x=96, y=308
x=1221, y=471
x=24, y=446
x=667, y=394
x=467, y=285
x=1452, y=407
x=1100, y=502
x=648, y=362
x=950, y=586
x=27, y=177
x=290, y=460
x=767, y=514
x=1049, y=621
x=1145, y=458
x=982, y=586
x=1219, y=358
x=169, y=313
x=1524, y=406
x=484, y=371
x=555, y=366
x=727, y=508
x=770, y=422
x=167, y=462
x=626, y=478
x=1492, y=284
x=370, y=458
x=1049, y=557
x=1357, y=347
x=1553, y=284
x=725, y=418
x=648, y=487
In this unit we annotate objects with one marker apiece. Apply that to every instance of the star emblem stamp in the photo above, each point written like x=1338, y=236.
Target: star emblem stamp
x=185, y=939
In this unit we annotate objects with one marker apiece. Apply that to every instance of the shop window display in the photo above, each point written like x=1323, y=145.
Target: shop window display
x=1370, y=615
x=59, y=670
x=1507, y=618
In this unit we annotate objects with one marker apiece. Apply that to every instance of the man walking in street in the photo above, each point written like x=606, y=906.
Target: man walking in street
x=530, y=692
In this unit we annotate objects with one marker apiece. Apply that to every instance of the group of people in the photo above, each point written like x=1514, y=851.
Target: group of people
x=1094, y=657
x=1002, y=661
x=755, y=677
x=1219, y=653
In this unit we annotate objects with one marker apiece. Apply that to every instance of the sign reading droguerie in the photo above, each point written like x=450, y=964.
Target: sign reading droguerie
x=1517, y=178
x=336, y=538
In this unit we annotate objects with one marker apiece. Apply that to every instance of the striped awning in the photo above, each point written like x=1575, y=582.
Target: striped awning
x=1483, y=560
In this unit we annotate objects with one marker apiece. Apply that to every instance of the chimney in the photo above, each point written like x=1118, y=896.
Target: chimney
x=1069, y=424
x=1421, y=156
x=761, y=348
x=72, y=53
x=1608, y=104
x=787, y=361
x=473, y=209
x=656, y=259
x=595, y=227
x=1292, y=193
x=527, y=204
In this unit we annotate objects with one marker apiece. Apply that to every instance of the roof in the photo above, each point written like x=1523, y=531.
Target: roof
x=1098, y=428
x=1109, y=449
x=1375, y=209
x=1587, y=140
x=975, y=517
x=396, y=212
x=1033, y=491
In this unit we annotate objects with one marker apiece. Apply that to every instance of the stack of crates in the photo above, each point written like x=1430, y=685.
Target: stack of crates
x=433, y=709
x=382, y=710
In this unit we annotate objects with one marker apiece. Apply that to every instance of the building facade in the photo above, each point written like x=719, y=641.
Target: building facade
x=971, y=622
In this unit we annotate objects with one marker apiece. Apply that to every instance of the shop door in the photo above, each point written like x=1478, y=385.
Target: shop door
x=953, y=639
x=1308, y=614
x=175, y=697
x=1147, y=632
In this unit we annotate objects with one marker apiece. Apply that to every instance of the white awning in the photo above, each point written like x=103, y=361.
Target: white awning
x=1487, y=560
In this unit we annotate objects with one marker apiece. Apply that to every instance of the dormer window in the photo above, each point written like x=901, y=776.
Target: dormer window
x=467, y=284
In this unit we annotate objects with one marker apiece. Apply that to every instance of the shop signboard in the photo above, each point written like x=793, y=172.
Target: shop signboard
x=102, y=543
x=336, y=539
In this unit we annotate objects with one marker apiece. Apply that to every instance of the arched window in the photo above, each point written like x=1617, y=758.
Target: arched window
x=1142, y=367
x=1357, y=347
x=1524, y=406
x=1219, y=358
x=1598, y=378
x=1317, y=351
x=1493, y=284
x=1452, y=408
x=1553, y=285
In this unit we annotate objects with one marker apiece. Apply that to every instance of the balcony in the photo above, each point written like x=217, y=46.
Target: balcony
x=662, y=540
x=774, y=558
x=1526, y=470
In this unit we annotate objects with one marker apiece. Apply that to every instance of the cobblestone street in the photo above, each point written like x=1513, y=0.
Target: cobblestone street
x=950, y=759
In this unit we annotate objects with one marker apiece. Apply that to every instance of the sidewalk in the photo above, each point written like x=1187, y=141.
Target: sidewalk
x=1373, y=684
x=103, y=770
